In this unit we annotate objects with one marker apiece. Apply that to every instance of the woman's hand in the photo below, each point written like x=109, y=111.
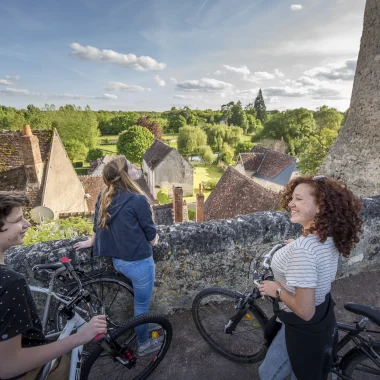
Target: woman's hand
x=97, y=325
x=268, y=288
x=84, y=244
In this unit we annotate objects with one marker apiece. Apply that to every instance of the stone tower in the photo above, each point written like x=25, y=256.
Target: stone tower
x=355, y=155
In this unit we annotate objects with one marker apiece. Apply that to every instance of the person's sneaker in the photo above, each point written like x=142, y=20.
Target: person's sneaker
x=152, y=346
x=154, y=327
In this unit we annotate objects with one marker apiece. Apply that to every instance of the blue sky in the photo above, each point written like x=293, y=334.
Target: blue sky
x=155, y=54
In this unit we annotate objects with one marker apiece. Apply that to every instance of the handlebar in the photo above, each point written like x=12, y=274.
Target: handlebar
x=67, y=264
x=268, y=256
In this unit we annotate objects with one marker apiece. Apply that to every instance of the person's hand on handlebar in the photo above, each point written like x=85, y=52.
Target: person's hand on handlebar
x=268, y=288
x=97, y=325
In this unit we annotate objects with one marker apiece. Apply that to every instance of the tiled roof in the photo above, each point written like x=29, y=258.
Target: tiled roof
x=12, y=171
x=156, y=153
x=144, y=187
x=96, y=166
x=251, y=161
x=273, y=163
x=237, y=194
x=92, y=185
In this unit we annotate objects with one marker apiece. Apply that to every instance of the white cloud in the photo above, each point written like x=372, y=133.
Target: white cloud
x=204, y=85
x=258, y=76
x=9, y=80
x=118, y=86
x=159, y=81
x=6, y=82
x=284, y=91
x=296, y=7
x=337, y=71
x=109, y=96
x=19, y=91
x=325, y=93
x=78, y=96
x=173, y=80
x=219, y=72
x=273, y=99
x=13, y=77
x=187, y=97
x=279, y=73
x=240, y=70
x=91, y=53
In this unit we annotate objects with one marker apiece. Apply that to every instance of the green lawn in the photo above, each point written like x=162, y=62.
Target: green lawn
x=246, y=138
x=203, y=173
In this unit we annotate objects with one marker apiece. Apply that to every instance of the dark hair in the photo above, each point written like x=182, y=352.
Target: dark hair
x=9, y=200
x=339, y=211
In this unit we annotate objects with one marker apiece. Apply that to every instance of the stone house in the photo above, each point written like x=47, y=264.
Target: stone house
x=164, y=167
x=96, y=166
x=236, y=194
x=269, y=168
x=37, y=163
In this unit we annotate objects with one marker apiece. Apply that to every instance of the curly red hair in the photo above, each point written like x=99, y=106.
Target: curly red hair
x=339, y=211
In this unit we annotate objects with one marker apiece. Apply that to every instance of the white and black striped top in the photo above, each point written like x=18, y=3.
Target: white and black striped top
x=306, y=263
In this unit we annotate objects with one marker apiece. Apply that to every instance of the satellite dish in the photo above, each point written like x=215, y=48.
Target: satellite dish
x=41, y=214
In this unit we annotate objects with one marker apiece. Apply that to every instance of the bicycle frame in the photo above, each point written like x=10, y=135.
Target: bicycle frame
x=77, y=323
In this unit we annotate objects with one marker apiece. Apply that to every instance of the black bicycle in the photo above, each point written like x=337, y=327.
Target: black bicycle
x=232, y=323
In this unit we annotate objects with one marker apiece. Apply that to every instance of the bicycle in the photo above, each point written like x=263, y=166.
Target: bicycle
x=232, y=323
x=111, y=292
x=119, y=345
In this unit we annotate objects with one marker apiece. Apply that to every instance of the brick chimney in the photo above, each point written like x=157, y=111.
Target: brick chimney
x=200, y=206
x=32, y=158
x=178, y=204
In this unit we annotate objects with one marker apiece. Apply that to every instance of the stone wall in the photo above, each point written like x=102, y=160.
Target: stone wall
x=355, y=157
x=192, y=256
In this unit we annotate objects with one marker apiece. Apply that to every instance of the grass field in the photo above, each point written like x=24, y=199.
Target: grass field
x=203, y=173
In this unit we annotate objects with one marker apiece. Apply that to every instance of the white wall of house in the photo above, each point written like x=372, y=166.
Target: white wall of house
x=150, y=180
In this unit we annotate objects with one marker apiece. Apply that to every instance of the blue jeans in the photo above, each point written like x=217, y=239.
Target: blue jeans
x=141, y=273
x=276, y=365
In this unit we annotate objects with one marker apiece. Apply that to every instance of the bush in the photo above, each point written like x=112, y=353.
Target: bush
x=94, y=154
x=163, y=196
x=191, y=214
x=78, y=164
x=59, y=229
x=210, y=184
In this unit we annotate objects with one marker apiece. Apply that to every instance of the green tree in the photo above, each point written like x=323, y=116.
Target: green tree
x=330, y=118
x=134, y=142
x=238, y=117
x=11, y=119
x=76, y=150
x=190, y=139
x=316, y=150
x=118, y=124
x=207, y=155
x=261, y=109
x=251, y=110
x=254, y=125
x=227, y=111
x=243, y=147
x=94, y=154
x=176, y=122
x=227, y=154
x=233, y=135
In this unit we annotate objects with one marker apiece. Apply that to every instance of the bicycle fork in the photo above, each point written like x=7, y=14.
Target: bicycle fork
x=243, y=307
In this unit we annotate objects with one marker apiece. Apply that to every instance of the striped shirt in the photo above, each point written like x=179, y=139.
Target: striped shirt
x=306, y=263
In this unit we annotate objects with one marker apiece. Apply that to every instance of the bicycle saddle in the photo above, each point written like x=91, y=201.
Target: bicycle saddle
x=373, y=313
x=52, y=266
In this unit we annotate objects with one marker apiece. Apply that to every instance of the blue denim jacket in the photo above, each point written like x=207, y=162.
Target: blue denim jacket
x=129, y=230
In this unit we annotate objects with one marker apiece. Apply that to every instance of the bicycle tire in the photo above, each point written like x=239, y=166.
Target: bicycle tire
x=353, y=363
x=91, y=359
x=109, y=280
x=225, y=347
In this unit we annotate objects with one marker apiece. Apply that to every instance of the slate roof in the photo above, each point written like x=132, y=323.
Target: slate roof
x=236, y=194
x=156, y=153
x=96, y=166
x=251, y=161
x=269, y=162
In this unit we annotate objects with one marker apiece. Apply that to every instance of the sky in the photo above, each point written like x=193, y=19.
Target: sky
x=151, y=55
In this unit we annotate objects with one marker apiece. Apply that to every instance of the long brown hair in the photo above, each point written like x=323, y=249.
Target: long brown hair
x=339, y=211
x=115, y=178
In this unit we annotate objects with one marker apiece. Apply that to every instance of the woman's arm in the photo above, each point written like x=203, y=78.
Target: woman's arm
x=302, y=303
x=16, y=360
x=85, y=244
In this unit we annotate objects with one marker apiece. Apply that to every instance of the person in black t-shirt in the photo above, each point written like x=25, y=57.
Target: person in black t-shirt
x=23, y=348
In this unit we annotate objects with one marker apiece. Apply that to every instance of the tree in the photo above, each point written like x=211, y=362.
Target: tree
x=118, y=124
x=190, y=139
x=151, y=125
x=261, y=109
x=330, y=118
x=254, y=125
x=134, y=142
x=251, y=110
x=233, y=135
x=227, y=154
x=227, y=111
x=207, y=155
x=76, y=150
x=243, y=147
x=316, y=150
x=176, y=122
x=94, y=154
x=238, y=117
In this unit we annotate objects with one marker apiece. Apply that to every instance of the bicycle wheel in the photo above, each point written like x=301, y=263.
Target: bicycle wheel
x=100, y=364
x=212, y=309
x=356, y=365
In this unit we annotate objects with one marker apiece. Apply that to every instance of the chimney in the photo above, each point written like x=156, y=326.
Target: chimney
x=32, y=158
x=178, y=204
x=200, y=206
